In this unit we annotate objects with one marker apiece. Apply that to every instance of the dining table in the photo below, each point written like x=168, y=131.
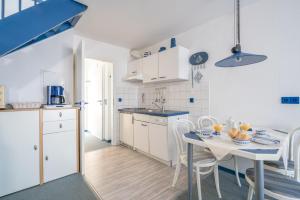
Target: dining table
x=253, y=151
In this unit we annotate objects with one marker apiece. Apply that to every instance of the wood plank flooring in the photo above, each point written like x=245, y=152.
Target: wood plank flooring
x=119, y=173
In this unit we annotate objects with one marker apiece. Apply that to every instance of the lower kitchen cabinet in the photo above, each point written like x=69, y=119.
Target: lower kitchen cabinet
x=126, y=128
x=158, y=141
x=59, y=155
x=19, y=150
x=141, y=136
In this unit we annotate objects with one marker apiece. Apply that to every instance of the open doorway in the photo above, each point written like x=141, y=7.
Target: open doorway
x=98, y=95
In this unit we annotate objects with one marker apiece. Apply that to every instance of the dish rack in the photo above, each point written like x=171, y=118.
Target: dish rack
x=27, y=105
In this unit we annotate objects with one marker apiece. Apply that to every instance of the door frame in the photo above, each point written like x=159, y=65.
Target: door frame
x=81, y=106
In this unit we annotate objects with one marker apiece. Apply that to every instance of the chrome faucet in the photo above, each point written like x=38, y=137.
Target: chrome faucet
x=161, y=106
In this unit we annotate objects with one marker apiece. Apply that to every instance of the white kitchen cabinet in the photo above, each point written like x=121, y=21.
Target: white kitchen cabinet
x=134, y=67
x=59, y=143
x=141, y=136
x=126, y=128
x=173, y=64
x=19, y=150
x=158, y=141
x=150, y=68
x=59, y=155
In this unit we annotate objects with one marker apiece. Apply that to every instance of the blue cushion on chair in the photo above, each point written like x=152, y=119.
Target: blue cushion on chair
x=278, y=183
x=279, y=164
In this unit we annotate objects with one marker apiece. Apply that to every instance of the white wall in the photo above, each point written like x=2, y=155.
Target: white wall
x=119, y=56
x=22, y=72
x=252, y=93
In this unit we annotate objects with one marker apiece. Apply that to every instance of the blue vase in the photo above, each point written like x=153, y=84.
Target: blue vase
x=173, y=42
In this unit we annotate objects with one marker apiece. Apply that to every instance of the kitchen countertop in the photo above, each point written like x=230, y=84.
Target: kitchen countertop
x=154, y=112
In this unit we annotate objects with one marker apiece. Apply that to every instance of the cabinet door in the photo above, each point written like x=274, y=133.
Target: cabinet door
x=150, y=68
x=19, y=151
x=168, y=64
x=59, y=155
x=141, y=137
x=174, y=64
x=126, y=128
x=158, y=141
x=134, y=67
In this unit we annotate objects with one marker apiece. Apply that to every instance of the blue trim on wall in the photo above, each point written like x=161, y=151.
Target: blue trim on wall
x=230, y=171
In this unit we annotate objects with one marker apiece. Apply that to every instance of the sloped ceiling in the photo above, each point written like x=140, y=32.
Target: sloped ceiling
x=136, y=24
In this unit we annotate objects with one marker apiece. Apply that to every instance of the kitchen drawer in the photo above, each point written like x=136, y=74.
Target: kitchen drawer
x=141, y=117
x=59, y=126
x=158, y=120
x=57, y=115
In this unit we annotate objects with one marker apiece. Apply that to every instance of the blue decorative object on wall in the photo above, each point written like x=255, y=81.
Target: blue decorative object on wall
x=38, y=23
x=198, y=58
x=290, y=100
x=120, y=99
x=173, y=42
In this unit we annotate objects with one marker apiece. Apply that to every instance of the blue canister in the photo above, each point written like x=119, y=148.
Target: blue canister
x=173, y=42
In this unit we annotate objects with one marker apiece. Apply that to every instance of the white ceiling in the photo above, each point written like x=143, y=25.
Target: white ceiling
x=139, y=23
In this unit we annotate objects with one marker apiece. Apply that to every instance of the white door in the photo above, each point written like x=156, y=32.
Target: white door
x=59, y=155
x=19, y=151
x=108, y=100
x=141, y=137
x=158, y=141
x=150, y=68
x=94, y=97
x=126, y=128
x=79, y=96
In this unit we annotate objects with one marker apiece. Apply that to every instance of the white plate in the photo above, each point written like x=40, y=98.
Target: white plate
x=241, y=142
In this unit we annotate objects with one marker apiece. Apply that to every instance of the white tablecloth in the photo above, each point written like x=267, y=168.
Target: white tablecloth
x=222, y=145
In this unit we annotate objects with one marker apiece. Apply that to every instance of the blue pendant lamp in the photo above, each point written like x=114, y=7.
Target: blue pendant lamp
x=239, y=58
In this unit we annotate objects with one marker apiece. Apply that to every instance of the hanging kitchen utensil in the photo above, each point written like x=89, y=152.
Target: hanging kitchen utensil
x=239, y=58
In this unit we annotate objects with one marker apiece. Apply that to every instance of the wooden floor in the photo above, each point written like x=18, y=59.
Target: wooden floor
x=118, y=173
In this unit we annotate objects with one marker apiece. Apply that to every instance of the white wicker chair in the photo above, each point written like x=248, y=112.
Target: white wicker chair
x=203, y=162
x=277, y=184
x=208, y=121
x=278, y=166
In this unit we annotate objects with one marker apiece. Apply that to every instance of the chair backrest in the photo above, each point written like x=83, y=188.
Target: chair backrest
x=206, y=121
x=181, y=127
x=295, y=150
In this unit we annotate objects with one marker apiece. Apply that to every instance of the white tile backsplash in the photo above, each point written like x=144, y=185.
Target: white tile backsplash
x=178, y=96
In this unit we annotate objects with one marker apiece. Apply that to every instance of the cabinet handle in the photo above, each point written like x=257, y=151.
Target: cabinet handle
x=60, y=114
x=132, y=119
x=162, y=77
x=60, y=125
x=35, y=147
x=46, y=158
x=153, y=78
x=134, y=72
x=144, y=125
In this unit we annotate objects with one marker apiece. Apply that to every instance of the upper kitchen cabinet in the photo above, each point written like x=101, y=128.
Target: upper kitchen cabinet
x=134, y=70
x=173, y=64
x=166, y=66
x=150, y=68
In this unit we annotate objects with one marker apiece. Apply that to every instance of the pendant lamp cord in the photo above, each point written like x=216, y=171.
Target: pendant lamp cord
x=237, y=25
x=238, y=22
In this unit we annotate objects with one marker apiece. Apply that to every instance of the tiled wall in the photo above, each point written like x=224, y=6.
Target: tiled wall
x=178, y=96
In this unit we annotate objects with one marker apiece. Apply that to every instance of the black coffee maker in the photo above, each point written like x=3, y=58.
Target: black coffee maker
x=55, y=95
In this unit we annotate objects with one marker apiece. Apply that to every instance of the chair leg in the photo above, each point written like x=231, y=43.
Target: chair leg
x=250, y=193
x=198, y=183
x=216, y=175
x=177, y=172
x=237, y=171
